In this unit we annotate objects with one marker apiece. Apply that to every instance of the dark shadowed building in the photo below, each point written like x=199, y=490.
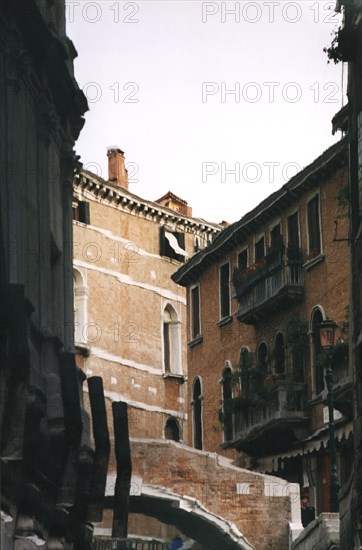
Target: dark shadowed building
x=49, y=493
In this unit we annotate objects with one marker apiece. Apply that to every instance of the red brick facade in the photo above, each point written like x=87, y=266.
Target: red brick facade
x=314, y=284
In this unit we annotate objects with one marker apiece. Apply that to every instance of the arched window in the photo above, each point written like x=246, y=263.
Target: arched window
x=279, y=354
x=172, y=429
x=317, y=318
x=262, y=358
x=171, y=337
x=80, y=308
x=226, y=396
x=197, y=414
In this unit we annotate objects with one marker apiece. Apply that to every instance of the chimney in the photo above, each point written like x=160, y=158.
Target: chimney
x=117, y=172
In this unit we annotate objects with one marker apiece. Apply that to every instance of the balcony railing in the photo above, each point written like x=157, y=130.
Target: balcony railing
x=267, y=288
x=285, y=409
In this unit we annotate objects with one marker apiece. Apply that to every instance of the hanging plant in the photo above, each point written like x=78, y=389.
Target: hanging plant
x=296, y=331
x=343, y=46
x=333, y=51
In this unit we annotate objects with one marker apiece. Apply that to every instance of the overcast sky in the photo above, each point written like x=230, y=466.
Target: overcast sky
x=218, y=102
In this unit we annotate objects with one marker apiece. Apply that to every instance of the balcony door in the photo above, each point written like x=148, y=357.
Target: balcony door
x=293, y=237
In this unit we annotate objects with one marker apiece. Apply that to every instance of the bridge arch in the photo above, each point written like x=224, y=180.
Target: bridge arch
x=188, y=515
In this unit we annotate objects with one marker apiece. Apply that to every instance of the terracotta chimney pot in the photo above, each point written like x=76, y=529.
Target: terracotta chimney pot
x=117, y=171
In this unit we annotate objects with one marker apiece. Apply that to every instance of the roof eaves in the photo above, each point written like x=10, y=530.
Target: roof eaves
x=125, y=194
x=187, y=272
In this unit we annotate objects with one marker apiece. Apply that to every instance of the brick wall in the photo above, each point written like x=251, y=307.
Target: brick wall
x=125, y=286
x=247, y=499
x=326, y=285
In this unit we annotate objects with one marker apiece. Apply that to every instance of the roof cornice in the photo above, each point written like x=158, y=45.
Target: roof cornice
x=233, y=235
x=126, y=201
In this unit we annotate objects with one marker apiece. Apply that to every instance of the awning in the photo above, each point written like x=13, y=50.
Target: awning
x=174, y=244
x=314, y=443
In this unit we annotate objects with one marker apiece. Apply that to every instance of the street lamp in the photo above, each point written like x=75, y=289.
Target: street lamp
x=326, y=334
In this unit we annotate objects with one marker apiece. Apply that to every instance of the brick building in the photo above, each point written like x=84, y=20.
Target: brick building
x=130, y=317
x=257, y=295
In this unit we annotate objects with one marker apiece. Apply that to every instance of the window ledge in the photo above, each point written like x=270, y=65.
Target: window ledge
x=195, y=341
x=224, y=321
x=314, y=261
x=181, y=377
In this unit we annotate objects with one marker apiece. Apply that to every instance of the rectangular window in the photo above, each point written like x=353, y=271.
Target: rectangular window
x=225, y=290
x=293, y=231
x=275, y=238
x=195, y=312
x=314, y=231
x=243, y=260
x=172, y=244
x=259, y=249
x=294, y=252
x=81, y=212
x=166, y=348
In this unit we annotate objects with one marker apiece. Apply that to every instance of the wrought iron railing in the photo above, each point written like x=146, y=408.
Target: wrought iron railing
x=285, y=403
x=269, y=286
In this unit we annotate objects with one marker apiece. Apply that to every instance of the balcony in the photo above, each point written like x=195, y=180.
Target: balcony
x=268, y=285
x=274, y=425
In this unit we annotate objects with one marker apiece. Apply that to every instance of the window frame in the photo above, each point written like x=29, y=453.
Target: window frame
x=194, y=336
x=166, y=250
x=81, y=211
x=201, y=400
x=271, y=229
x=221, y=290
x=171, y=342
x=278, y=335
x=227, y=369
x=288, y=216
x=309, y=249
x=238, y=254
x=257, y=239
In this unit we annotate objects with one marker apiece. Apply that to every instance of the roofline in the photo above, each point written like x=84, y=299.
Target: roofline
x=234, y=234
x=121, y=197
x=169, y=194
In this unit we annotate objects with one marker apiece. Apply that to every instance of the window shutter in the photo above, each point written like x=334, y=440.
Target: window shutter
x=181, y=241
x=314, y=226
x=84, y=212
x=162, y=241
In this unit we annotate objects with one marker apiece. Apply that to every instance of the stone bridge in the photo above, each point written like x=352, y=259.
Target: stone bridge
x=209, y=499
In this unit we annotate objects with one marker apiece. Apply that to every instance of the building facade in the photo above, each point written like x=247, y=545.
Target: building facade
x=49, y=495
x=130, y=318
x=257, y=295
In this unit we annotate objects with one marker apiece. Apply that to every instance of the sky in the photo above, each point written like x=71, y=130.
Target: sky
x=219, y=102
